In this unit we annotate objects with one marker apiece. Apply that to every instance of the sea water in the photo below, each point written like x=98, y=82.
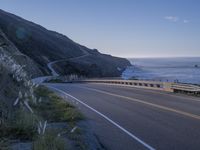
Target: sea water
x=185, y=70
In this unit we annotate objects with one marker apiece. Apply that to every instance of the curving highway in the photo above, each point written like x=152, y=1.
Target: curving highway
x=50, y=65
x=41, y=79
x=127, y=118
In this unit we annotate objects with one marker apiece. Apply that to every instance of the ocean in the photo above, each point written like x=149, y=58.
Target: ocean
x=185, y=70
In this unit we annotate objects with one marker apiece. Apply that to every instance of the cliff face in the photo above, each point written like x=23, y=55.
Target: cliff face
x=14, y=67
x=9, y=51
x=44, y=46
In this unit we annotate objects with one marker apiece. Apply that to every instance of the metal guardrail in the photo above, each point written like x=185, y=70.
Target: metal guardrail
x=156, y=85
x=185, y=87
x=163, y=86
x=134, y=83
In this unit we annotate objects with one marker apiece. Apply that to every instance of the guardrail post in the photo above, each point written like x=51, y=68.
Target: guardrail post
x=168, y=87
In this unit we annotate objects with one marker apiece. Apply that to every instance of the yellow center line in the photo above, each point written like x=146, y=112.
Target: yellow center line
x=146, y=103
x=155, y=92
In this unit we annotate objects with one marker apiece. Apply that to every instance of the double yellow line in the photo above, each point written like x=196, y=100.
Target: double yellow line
x=146, y=103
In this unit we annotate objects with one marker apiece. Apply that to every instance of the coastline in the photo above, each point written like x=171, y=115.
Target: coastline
x=182, y=70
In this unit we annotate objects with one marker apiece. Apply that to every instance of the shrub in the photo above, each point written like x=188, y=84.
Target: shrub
x=49, y=141
x=24, y=126
x=16, y=122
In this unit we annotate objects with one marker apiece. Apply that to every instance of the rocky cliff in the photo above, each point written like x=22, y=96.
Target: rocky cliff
x=15, y=69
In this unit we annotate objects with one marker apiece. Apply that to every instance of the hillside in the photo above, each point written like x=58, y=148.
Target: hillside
x=25, y=107
x=44, y=46
x=12, y=61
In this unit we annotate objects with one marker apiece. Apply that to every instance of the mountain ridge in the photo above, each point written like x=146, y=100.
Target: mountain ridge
x=44, y=46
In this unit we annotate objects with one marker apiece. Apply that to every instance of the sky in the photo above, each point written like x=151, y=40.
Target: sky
x=124, y=28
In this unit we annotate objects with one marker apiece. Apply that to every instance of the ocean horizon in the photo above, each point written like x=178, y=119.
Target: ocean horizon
x=181, y=69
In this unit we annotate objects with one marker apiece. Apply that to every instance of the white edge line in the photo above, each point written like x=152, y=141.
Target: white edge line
x=108, y=119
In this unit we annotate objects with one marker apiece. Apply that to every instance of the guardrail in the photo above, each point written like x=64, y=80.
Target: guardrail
x=185, y=87
x=156, y=85
x=164, y=86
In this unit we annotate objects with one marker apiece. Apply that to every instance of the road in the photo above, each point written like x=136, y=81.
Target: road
x=41, y=79
x=126, y=118
x=50, y=64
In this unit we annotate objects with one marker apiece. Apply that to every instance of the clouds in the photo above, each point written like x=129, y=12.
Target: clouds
x=171, y=18
x=175, y=19
x=186, y=21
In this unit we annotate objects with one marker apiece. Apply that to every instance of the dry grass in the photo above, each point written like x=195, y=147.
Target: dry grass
x=49, y=141
x=22, y=126
x=54, y=109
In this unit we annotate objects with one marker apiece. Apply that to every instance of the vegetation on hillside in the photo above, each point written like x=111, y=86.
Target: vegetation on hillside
x=28, y=110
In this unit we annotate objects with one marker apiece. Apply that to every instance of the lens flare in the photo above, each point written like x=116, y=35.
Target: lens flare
x=21, y=33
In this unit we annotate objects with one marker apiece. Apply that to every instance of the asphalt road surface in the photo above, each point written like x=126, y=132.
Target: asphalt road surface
x=126, y=118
